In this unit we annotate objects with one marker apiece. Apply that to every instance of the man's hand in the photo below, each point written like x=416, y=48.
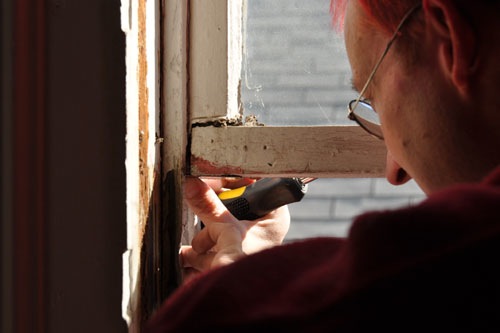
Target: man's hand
x=224, y=239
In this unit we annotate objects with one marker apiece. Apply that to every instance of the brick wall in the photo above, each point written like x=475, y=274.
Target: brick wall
x=296, y=72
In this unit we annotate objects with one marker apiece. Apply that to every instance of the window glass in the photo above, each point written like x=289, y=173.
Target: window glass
x=295, y=69
x=330, y=205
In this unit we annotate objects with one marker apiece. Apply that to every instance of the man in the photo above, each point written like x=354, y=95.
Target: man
x=430, y=70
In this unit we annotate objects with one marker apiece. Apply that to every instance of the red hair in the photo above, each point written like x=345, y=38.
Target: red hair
x=382, y=14
x=337, y=10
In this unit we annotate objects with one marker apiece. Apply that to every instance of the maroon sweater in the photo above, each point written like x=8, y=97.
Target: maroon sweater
x=435, y=266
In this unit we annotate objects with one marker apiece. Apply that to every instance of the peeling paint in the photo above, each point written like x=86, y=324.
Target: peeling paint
x=206, y=167
x=252, y=121
x=203, y=167
x=145, y=190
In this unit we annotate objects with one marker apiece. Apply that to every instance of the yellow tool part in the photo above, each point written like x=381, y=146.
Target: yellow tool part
x=231, y=194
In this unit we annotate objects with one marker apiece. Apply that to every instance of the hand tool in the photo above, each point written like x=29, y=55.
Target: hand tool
x=265, y=195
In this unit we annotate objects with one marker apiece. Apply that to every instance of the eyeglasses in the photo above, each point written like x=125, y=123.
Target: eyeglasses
x=360, y=110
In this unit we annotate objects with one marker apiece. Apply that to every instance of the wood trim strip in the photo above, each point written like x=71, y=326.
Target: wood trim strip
x=323, y=151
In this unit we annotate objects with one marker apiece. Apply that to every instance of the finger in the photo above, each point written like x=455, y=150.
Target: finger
x=205, y=203
x=191, y=259
x=182, y=250
x=202, y=242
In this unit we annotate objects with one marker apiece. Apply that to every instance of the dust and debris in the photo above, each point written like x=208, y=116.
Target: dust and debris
x=158, y=138
x=252, y=121
x=221, y=122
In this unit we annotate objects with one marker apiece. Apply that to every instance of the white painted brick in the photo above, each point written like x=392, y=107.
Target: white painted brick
x=341, y=116
x=272, y=52
x=311, y=209
x=323, y=32
x=305, y=229
x=349, y=208
x=321, y=96
x=383, y=188
x=312, y=52
x=339, y=187
x=385, y=203
x=283, y=97
x=416, y=200
x=333, y=63
x=288, y=65
x=308, y=80
x=291, y=115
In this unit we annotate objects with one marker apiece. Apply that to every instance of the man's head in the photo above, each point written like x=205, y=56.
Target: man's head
x=435, y=91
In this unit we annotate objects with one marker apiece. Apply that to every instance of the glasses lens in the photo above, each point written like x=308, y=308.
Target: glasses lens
x=367, y=117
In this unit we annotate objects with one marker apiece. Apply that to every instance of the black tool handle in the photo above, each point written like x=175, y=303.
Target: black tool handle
x=263, y=196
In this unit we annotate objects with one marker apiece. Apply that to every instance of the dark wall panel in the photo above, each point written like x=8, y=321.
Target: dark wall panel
x=86, y=165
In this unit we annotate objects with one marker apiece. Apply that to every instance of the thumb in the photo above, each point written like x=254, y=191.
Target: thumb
x=205, y=203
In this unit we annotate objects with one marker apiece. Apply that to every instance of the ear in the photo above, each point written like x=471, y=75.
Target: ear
x=455, y=41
